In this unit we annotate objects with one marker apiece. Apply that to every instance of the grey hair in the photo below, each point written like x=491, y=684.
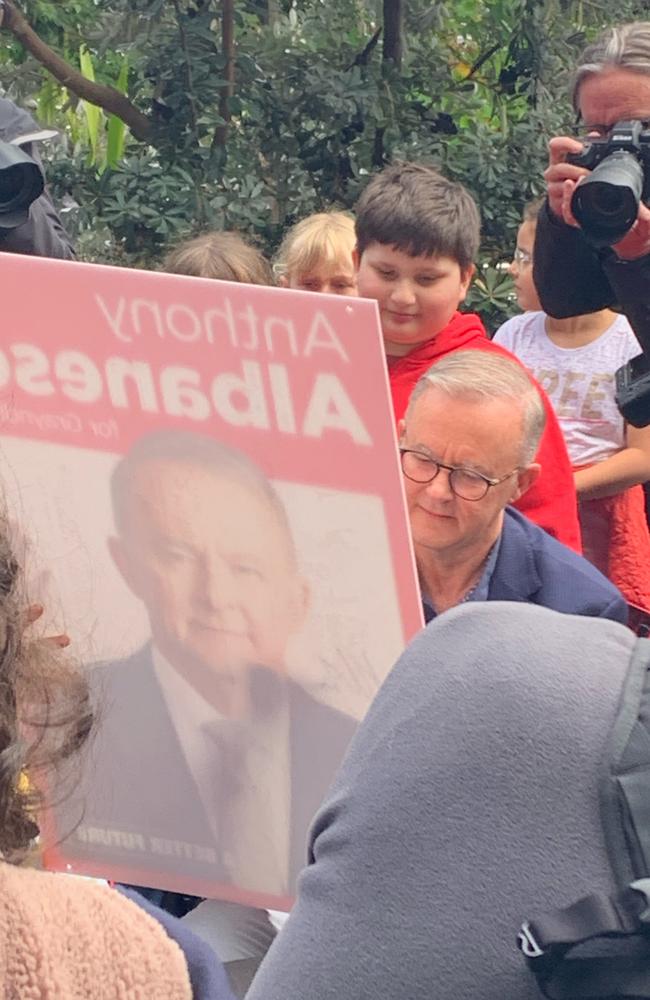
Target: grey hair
x=482, y=376
x=626, y=46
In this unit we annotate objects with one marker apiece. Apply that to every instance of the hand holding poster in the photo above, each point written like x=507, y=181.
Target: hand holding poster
x=208, y=473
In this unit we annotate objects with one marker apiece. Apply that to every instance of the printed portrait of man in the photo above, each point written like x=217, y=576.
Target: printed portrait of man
x=204, y=740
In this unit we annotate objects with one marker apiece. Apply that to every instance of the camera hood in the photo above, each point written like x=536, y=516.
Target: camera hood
x=606, y=202
x=21, y=183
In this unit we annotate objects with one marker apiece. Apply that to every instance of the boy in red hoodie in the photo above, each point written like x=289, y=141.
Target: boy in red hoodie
x=417, y=238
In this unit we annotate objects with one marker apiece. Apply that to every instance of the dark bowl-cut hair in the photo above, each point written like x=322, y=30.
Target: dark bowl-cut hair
x=46, y=714
x=199, y=451
x=413, y=208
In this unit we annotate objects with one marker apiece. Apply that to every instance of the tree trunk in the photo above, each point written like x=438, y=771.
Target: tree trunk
x=272, y=12
x=393, y=25
x=228, y=51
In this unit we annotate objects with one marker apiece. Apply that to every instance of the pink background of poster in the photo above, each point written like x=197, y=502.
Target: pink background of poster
x=314, y=414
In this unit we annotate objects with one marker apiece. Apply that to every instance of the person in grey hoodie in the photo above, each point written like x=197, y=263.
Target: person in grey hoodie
x=467, y=803
x=42, y=233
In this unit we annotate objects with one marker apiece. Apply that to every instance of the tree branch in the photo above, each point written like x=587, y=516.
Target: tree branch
x=361, y=58
x=103, y=96
x=481, y=60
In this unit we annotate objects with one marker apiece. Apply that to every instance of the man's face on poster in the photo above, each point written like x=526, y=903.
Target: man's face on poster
x=212, y=560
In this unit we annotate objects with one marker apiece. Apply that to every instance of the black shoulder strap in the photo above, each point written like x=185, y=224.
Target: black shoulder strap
x=548, y=940
x=625, y=781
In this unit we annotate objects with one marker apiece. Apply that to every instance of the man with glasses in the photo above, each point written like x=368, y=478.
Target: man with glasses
x=468, y=442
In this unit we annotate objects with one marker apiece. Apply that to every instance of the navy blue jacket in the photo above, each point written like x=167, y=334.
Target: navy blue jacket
x=207, y=974
x=535, y=568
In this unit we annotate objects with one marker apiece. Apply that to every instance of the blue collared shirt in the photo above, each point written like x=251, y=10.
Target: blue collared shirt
x=479, y=592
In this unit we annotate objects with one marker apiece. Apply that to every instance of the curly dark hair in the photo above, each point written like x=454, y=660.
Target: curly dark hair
x=45, y=712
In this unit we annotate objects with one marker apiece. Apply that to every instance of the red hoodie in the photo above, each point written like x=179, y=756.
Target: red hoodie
x=551, y=500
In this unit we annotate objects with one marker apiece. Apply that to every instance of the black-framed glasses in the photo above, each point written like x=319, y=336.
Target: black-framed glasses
x=585, y=132
x=464, y=483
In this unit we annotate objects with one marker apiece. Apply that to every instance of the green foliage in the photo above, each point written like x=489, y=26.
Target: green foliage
x=104, y=133
x=315, y=110
x=115, y=127
x=491, y=294
x=92, y=112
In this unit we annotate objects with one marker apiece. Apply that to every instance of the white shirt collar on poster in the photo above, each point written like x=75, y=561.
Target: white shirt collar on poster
x=253, y=829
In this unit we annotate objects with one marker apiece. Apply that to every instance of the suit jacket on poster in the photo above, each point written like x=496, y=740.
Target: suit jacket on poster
x=138, y=781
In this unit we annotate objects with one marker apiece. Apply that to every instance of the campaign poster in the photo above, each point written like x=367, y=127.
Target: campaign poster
x=206, y=478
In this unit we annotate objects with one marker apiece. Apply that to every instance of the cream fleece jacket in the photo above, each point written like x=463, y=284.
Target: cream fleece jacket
x=68, y=939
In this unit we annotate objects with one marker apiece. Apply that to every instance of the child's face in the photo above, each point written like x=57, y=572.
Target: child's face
x=521, y=268
x=417, y=296
x=333, y=277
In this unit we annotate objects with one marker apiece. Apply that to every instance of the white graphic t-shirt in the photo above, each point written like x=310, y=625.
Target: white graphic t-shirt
x=579, y=381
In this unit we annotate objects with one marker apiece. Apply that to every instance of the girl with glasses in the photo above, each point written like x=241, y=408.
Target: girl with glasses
x=575, y=360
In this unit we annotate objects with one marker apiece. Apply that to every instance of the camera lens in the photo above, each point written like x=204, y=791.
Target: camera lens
x=606, y=203
x=607, y=200
x=21, y=182
x=12, y=185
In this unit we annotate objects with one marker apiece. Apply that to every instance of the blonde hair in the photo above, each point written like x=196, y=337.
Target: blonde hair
x=326, y=237
x=221, y=255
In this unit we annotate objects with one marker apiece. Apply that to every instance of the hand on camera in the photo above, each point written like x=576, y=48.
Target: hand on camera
x=636, y=242
x=562, y=179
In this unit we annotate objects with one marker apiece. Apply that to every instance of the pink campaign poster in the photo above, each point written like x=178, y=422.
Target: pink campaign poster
x=207, y=480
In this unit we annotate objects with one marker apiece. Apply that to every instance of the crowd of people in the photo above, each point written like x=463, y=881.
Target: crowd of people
x=469, y=794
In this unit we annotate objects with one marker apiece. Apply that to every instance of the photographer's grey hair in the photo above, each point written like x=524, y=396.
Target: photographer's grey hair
x=626, y=46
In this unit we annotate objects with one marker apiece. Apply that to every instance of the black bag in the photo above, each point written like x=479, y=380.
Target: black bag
x=599, y=947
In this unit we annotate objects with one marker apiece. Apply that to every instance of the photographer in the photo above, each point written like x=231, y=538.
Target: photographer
x=572, y=275
x=36, y=230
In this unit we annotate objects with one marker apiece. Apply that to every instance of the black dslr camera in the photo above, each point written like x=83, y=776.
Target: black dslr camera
x=21, y=183
x=607, y=202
